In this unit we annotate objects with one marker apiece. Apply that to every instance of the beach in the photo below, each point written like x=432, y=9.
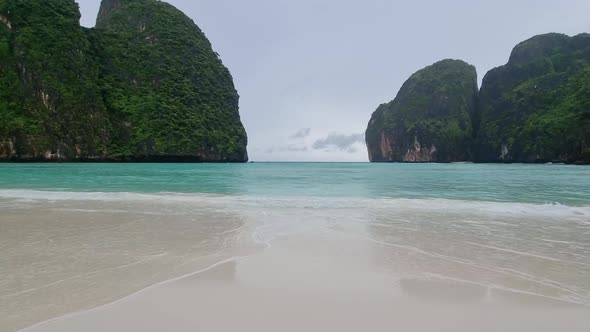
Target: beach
x=290, y=289
x=151, y=261
x=294, y=166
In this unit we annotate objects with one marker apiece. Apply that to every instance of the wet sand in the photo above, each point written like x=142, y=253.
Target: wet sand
x=304, y=284
x=61, y=257
x=127, y=262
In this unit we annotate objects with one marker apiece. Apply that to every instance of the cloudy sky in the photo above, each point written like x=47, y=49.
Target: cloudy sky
x=311, y=72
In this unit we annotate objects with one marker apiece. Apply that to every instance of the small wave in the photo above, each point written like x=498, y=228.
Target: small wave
x=38, y=195
x=581, y=213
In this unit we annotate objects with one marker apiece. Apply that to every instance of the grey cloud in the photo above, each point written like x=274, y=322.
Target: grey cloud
x=297, y=148
x=289, y=148
x=301, y=133
x=339, y=141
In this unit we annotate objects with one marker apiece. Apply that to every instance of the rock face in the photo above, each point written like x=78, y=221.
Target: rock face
x=50, y=98
x=145, y=85
x=536, y=108
x=107, y=7
x=430, y=119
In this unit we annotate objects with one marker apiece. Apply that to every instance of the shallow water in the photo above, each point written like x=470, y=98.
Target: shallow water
x=77, y=236
x=483, y=182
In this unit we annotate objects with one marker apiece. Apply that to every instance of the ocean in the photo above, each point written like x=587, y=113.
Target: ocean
x=535, y=184
x=69, y=232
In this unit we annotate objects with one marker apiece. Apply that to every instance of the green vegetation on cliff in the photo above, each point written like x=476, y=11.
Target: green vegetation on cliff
x=536, y=108
x=430, y=119
x=50, y=100
x=144, y=85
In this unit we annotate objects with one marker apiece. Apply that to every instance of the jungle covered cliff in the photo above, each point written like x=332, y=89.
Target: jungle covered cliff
x=144, y=85
x=534, y=109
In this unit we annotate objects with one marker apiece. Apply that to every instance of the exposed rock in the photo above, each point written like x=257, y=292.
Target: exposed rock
x=6, y=22
x=143, y=86
x=7, y=151
x=536, y=108
x=430, y=119
x=106, y=8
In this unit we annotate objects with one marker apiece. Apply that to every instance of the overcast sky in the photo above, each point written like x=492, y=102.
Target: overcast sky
x=311, y=72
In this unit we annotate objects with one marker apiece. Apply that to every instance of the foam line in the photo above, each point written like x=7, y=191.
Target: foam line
x=147, y=259
x=508, y=272
x=104, y=306
x=522, y=253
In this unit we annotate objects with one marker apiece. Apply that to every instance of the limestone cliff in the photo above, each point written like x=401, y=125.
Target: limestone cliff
x=536, y=108
x=145, y=85
x=430, y=119
x=50, y=100
x=106, y=8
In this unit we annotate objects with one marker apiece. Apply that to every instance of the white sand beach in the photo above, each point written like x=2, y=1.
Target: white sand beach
x=155, y=263
x=312, y=285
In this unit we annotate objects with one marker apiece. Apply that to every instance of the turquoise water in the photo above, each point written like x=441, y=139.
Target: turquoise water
x=541, y=184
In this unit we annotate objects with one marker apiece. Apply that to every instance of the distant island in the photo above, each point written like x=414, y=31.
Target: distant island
x=144, y=85
x=534, y=109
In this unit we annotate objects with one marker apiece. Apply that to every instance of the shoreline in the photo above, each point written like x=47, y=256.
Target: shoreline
x=143, y=258
x=253, y=281
x=174, y=160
